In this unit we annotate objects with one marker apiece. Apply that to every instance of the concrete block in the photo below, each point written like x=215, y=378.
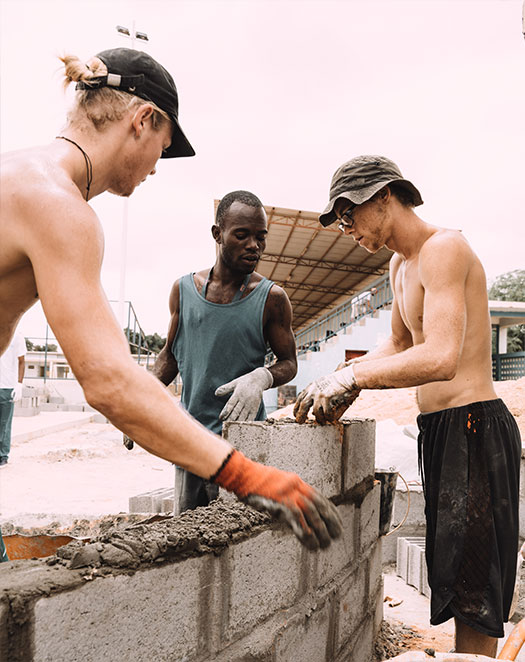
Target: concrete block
x=307, y=637
x=310, y=450
x=4, y=610
x=403, y=544
x=416, y=512
x=146, y=616
x=415, y=556
x=369, y=518
x=378, y=609
x=75, y=407
x=352, y=605
x=264, y=577
x=100, y=418
x=362, y=648
x=359, y=437
x=150, y=502
x=342, y=552
x=375, y=568
x=167, y=505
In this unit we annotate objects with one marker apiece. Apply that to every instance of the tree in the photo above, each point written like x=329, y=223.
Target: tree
x=511, y=287
x=152, y=342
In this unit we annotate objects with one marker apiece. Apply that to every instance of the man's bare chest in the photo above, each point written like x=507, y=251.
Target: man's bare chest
x=409, y=295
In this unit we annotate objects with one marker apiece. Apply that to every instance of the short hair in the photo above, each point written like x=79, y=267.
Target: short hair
x=101, y=105
x=227, y=201
x=405, y=196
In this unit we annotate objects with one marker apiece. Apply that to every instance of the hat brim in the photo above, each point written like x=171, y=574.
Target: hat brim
x=180, y=145
x=362, y=195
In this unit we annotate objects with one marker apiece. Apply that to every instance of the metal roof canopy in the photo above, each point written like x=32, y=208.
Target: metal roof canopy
x=319, y=268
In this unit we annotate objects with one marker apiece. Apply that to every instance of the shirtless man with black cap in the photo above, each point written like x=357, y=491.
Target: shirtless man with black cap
x=125, y=117
x=469, y=444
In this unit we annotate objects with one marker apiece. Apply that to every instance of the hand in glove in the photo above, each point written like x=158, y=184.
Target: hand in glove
x=17, y=391
x=311, y=516
x=329, y=397
x=245, y=400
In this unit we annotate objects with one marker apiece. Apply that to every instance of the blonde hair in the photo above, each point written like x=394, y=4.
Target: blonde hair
x=104, y=104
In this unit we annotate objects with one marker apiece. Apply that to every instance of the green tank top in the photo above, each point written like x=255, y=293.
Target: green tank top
x=216, y=343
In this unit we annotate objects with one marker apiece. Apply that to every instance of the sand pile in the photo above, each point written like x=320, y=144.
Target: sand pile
x=400, y=404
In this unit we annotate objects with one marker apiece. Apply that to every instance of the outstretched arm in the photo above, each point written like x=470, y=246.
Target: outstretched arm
x=63, y=240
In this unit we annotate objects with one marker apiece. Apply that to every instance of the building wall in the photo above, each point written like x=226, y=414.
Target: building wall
x=365, y=334
x=222, y=583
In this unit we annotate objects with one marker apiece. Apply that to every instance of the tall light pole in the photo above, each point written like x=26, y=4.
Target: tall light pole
x=132, y=35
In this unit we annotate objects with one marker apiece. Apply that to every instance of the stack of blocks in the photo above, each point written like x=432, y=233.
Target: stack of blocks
x=263, y=597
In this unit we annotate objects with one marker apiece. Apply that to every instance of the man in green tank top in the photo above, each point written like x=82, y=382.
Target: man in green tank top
x=222, y=320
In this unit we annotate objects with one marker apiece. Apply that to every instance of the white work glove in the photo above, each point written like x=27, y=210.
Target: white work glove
x=245, y=400
x=17, y=392
x=329, y=397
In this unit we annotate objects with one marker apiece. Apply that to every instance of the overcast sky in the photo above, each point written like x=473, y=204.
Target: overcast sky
x=274, y=96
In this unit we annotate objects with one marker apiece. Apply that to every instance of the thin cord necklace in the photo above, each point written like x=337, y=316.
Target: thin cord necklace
x=89, y=165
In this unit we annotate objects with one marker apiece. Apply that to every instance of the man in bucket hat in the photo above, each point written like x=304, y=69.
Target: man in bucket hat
x=124, y=119
x=469, y=444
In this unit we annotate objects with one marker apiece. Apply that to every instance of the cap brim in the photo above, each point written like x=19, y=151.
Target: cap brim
x=180, y=145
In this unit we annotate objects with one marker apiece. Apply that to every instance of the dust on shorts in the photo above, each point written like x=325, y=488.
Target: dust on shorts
x=469, y=461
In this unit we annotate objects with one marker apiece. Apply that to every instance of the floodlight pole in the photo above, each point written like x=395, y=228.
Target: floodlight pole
x=132, y=36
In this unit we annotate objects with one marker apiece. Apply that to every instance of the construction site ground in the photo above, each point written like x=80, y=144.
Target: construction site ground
x=66, y=474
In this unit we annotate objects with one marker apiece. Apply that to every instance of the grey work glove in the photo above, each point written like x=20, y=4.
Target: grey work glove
x=329, y=397
x=247, y=391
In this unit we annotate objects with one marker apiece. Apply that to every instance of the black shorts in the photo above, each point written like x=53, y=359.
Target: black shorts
x=470, y=466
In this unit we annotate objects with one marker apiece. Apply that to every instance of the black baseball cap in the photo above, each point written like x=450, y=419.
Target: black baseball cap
x=360, y=178
x=139, y=74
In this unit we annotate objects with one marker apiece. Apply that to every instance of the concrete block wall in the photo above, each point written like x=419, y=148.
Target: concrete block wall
x=222, y=583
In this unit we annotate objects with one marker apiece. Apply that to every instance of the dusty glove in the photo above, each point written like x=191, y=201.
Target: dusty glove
x=245, y=400
x=128, y=443
x=328, y=396
x=311, y=516
x=17, y=392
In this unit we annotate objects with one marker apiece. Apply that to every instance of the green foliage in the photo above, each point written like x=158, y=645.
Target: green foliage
x=41, y=348
x=511, y=287
x=153, y=342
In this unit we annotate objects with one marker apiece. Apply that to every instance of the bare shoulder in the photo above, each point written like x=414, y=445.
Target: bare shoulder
x=446, y=252
x=446, y=241
x=174, y=297
x=278, y=307
x=41, y=202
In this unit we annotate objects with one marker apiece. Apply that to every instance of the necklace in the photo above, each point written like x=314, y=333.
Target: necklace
x=89, y=165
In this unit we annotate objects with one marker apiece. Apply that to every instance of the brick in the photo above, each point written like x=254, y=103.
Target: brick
x=307, y=638
x=369, y=518
x=310, y=450
x=359, y=438
x=342, y=552
x=265, y=576
x=145, y=616
x=352, y=600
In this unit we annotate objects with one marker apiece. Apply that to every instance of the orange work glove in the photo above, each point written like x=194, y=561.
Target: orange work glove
x=312, y=517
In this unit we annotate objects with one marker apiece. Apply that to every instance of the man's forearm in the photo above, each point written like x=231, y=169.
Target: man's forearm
x=140, y=407
x=413, y=367
x=164, y=369
x=283, y=371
